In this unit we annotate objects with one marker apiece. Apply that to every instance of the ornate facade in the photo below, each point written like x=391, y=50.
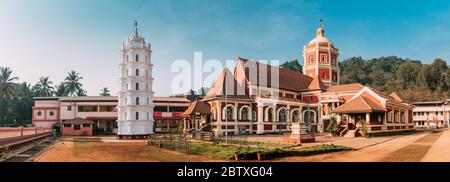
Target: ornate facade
x=258, y=98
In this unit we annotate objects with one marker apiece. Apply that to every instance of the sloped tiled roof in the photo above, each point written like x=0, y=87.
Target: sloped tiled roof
x=359, y=104
x=396, y=97
x=346, y=87
x=224, y=84
x=198, y=106
x=385, y=96
x=316, y=84
x=288, y=80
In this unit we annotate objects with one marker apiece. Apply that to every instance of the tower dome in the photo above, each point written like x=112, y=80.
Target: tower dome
x=320, y=37
x=321, y=59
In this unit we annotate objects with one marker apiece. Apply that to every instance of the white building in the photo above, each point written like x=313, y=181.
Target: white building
x=135, y=109
x=431, y=114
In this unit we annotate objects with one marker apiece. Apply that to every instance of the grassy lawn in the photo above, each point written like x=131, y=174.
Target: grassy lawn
x=249, y=152
x=255, y=143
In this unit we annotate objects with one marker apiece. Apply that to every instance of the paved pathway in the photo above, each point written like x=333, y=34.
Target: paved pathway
x=371, y=153
x=440, y=150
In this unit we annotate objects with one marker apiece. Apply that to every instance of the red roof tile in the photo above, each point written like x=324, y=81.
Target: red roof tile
x=287, y=79
x=199, y=107
x=359, y=104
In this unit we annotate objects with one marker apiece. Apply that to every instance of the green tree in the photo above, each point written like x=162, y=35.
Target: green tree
x=22, y=104
x=334, y=127
x=7, y=83
x=61, y=90
x=73, y=84
x=81, y=92
x=44, y=87
x=293, y=65
x=105, y=92
x=354, y=70
x=407, y=74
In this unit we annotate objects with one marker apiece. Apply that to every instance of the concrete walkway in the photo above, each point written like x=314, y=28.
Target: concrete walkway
x=375, y=152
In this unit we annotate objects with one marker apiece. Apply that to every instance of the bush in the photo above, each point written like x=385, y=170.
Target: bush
x=333, y=127
x=4, y=152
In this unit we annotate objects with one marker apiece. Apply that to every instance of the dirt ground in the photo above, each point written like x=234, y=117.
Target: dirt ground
x=408, y=148
x=92, y=149
x=423, y=146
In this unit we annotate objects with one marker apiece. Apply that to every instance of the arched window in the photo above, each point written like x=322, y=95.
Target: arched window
x=309, y=117
x=137, y=57
x=128, y=72
x=52, y=113
x=146, y=72
x=270, y=115
x=137, y=86
x=146, y=86
x=125, y=115
x=244, y=113
x=126, y=86
x=128, y=58
x=137, y=100
x=126, y=101
x=295, y=116
x=148, y=101
x=148, y=116
x=137, y=72
x=146, y=58
x=254, y=115
x=137, y=115
x=282, y=115
x=229, y=113
x=39, y=113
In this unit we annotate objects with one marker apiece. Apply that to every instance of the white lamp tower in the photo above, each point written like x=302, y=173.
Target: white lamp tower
x=135, y=108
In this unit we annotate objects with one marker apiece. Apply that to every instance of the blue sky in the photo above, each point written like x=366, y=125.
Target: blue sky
x=52, y=37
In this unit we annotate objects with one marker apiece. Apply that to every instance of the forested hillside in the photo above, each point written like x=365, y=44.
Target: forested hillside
x=411, y=79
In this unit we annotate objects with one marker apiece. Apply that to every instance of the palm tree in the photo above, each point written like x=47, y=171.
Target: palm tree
x=81, y=92
x=61, y=90
x=44, y=87
x=7, y=83
x=23, y=104
x=105, y=92
x=72, y=83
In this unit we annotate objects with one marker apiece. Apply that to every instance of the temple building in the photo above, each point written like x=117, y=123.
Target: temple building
x=259, y=98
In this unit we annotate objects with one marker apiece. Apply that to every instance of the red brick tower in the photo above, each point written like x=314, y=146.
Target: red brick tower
x=321, y=59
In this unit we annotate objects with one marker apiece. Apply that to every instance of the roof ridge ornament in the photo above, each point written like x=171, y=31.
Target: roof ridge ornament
x=136, y=33
x=321, y=30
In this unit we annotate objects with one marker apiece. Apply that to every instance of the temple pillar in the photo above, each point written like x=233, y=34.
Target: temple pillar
x=260, y=125
x=218, y=131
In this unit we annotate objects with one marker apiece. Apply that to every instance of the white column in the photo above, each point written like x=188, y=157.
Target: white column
x=275, y=118
x=236, y=122
x=251, y=118
x=367, y=118
x=260, y=126
x=219, y=119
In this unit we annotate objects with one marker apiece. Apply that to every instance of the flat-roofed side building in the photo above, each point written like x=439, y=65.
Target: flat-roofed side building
x=102, y=111
x=167, y=113
x=99, y=109
x=45, y=112
x=433, y=114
